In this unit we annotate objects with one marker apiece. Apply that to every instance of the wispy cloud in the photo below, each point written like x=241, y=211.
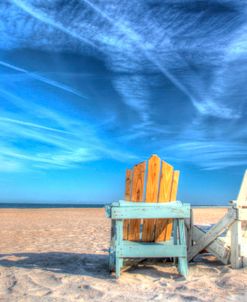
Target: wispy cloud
x=45, y=18
x=41, y=78
x=209, y=155
x=134, y=92
x=28, y=124
x=204, y=101
x=162, y=38
x=172, y=72
x=32, y=143
x=140, y=44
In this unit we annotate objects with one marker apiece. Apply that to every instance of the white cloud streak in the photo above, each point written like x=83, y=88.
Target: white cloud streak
x=32, y=143
x=145, y=40
x=41, y=78
x=209, y=155
x=201, y=51
x=49, y=21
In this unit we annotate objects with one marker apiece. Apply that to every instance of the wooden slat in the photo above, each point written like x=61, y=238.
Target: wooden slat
x=238, y=227
x=243, y=249
x=242, y=214
x=172, y=198
x=242, y=202
x=157, y=211
x=212, y=234
x=152, y=250
x=128, y=182
x=218, y=247
x=174, y=186
x=242, y=196
x=152, y=188
x=137, y=195
x=164, y=196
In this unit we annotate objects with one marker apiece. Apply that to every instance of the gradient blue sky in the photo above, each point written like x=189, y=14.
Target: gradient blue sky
x=89, y=88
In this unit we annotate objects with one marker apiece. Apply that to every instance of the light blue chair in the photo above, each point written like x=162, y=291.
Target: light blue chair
x=151, y=229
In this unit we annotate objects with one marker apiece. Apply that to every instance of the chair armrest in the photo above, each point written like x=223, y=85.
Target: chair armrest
x=148, y=210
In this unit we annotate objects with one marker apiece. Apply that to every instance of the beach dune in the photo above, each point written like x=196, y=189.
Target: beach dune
x=61, y=255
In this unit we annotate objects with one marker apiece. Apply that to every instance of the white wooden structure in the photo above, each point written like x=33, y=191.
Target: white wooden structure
x=235, y=222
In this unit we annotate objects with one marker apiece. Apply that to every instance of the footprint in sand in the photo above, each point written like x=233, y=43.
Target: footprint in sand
x=7, y=283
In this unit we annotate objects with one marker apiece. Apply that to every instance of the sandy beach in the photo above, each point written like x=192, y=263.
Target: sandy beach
x=61, y=255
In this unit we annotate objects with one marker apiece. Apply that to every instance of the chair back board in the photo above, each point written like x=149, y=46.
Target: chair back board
x=242, y=203
x=151, y=181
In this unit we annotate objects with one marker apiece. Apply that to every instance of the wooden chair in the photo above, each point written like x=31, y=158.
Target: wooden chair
x=235, y=221
x=150, y=227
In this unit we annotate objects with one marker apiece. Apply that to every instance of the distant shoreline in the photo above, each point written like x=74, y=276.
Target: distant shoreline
x=47, y=206
x=73, y=206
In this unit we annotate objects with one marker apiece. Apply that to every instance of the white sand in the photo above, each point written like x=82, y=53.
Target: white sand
x=61, y=255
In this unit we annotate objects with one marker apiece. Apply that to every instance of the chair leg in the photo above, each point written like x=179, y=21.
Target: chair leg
x=175, y=237
x=112, y=249
x=111, y=260
x=118, y=242
x=183, y=266
x=119, y=264
x=182, y=261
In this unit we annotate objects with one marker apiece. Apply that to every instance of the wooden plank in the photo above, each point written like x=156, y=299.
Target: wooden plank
x=189, y=226
x=118, y=244
x=150, y=212
x=151, y=250
x=164, y=196
x=243, y=250
x=212, y=234
x=128, y=183
x=236, y=229
x=136, y=196
x=124, y=203
x=236, y=261
x=218, y=247
x=242, y=214
x=182, y=261
x=172, y=198
x=165, y=182
x=112, y=246
x=152, y=189
x=242, y=196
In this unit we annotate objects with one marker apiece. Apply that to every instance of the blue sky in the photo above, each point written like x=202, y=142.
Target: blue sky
x=89, y=88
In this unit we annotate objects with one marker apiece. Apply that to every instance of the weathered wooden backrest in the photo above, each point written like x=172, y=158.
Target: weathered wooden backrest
x=242, y=195
x=155, y=181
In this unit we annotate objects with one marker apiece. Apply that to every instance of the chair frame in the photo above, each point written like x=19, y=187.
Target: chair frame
x=121, y=249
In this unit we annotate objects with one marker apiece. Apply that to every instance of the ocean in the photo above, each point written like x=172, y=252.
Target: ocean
x=12, y=205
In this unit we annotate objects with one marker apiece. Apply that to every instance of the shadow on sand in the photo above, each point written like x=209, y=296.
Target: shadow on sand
x=60, y=262
x=94, y=265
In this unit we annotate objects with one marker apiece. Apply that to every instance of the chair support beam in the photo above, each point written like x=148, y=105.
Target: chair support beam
x=212, y=234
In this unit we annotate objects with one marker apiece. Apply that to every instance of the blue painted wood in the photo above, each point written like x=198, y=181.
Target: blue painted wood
x=158, y=211
x=119, y=264
x=108, y=211
x=124, y=203
x=112, y=249
x=120, y=249
x=182, y=261
x=183, y=266
x=111, y=260
x=130, y=249
x=118, y=244
x=175, y=230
